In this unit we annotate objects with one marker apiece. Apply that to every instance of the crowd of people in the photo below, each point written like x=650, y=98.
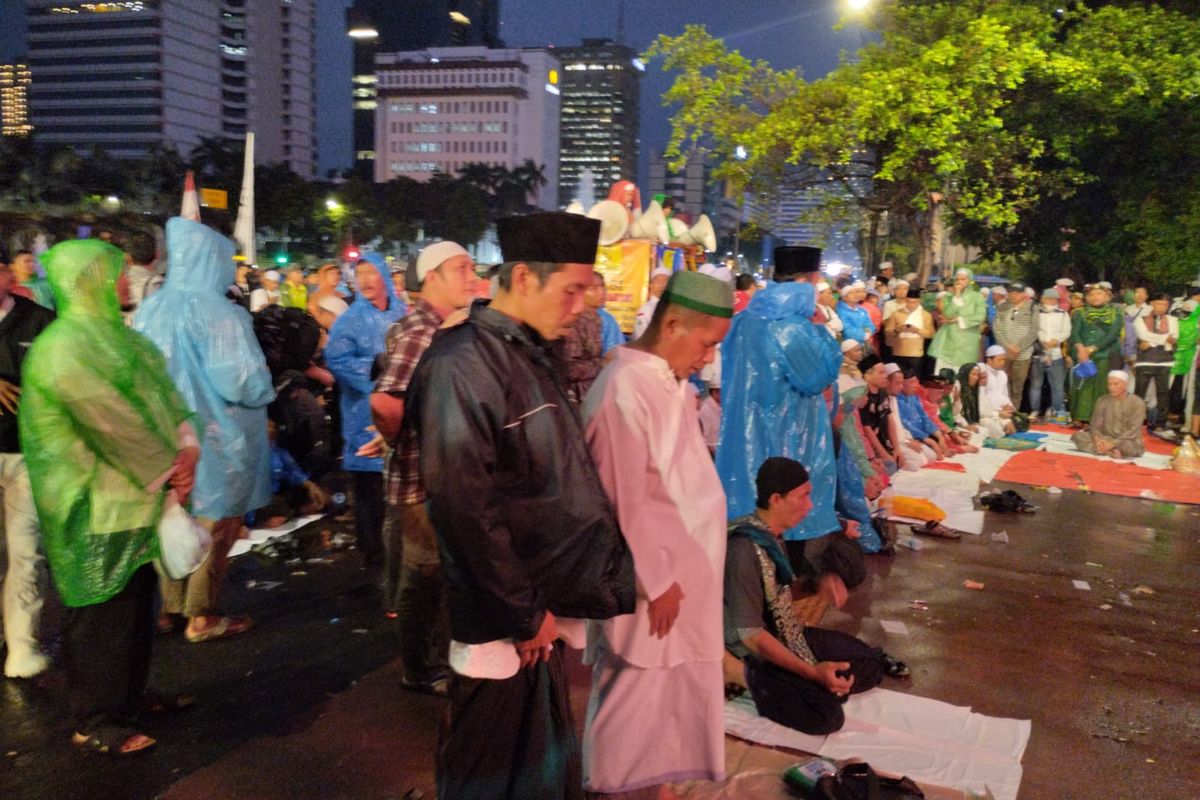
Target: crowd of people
x=523, y=477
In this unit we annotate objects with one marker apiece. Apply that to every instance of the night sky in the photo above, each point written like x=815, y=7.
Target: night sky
x=786, y=33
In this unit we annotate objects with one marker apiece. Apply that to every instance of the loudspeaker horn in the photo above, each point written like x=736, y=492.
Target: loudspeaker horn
x=652, y=224
x=701, y=233
x=614, y=220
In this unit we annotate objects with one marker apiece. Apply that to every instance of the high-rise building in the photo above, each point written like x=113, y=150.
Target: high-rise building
x=443, y=108
x=601, y=89
x=394, y=26
x=14, y=106
x=128, y=75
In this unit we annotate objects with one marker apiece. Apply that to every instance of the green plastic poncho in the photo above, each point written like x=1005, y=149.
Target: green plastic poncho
x=957, y=341
x=1185, y=350
x=99, y=421
x=1099, y=327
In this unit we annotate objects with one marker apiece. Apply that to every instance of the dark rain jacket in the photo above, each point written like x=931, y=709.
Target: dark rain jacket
x=522, y=520
x=17, y=331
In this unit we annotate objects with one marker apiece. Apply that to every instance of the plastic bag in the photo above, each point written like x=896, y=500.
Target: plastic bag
x=183, y=542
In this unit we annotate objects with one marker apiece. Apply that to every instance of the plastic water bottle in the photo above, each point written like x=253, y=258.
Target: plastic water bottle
x=911, y=542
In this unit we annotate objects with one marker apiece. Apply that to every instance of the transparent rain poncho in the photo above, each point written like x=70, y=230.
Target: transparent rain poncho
x=218, y=367
x=355, y=340
x=99, y=420
x=851, y=488
x=775, y=366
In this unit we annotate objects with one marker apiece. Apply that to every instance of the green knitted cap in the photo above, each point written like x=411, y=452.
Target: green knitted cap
x=703, y=293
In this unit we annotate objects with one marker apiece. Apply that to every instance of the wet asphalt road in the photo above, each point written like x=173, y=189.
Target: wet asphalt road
x=1114, y=693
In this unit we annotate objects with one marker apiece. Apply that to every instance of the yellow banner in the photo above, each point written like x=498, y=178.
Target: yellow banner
x=214, y=198
x=626, y=270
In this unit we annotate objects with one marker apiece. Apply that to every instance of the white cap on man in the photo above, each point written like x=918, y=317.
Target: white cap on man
x=850, y=344
x=1120, y=375
x=666, y=273
x=891, y=369
x=437, y=254
x=1064, y=282
x=823, y=286
x=995, y=350
x=271, y=275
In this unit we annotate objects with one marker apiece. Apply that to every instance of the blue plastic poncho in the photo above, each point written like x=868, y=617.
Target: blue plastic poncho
x=610, y=332
x=775, y=365
x=856, y=322
x=914, y=418
x=215, y=361
x=355, y=340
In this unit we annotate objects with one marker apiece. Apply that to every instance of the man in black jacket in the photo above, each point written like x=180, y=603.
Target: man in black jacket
x=20, y=321
x=525, y=530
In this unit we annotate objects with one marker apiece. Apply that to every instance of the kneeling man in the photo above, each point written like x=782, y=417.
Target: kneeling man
x=798, y=676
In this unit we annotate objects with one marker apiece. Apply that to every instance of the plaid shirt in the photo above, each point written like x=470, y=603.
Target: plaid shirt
x=407, y=342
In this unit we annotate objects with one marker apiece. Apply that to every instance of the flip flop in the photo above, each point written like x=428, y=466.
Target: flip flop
x=936, y=530
x=113, y=740
x=225, y=626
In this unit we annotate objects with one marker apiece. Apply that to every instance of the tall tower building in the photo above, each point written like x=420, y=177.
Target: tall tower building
x=443, y=108
x=392, y=26
x=129, y=75
x=14, y=105
x=601, y=90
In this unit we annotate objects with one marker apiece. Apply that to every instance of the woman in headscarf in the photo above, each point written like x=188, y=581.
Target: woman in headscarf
x=1095, y=336
x=963, y=312
x=974, y=412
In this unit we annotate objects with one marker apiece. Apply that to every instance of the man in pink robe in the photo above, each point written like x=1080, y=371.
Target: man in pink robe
x=656, y=709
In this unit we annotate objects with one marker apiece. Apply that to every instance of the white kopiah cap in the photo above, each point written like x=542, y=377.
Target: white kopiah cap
x=850, y=344
x=271, y=275
x=823, y=286
x=437, y=254
x=1120, y=375
x=891, y=369
x=995, y=350
x=660, y=271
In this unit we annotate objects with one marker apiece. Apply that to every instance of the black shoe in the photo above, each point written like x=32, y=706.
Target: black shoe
x=893, y=668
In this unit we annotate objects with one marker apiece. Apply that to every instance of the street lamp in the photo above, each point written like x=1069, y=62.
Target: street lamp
x=332, y=205
x=359, y=25
x=858, y=5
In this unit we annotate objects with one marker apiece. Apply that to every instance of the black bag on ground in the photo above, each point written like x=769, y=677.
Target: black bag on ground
x=860, y=782
x=1006, y=502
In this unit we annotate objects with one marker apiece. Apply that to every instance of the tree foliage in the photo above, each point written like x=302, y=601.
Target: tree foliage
x=998, y=117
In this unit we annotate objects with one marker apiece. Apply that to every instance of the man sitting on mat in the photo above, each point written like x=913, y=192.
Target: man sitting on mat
x=798, y=676
x=1117, y=420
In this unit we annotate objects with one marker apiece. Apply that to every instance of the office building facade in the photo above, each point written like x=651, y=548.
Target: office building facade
x=130, y=75
x=693, y=192
x=601, y=90
x=14, y=100
x=397, y=26
x=443, y=108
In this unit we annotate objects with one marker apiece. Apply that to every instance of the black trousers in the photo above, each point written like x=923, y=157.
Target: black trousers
x=788, y=699
x=834, y=552
x=106, y=650
x=511, y=739
x=1161, y=377
x=915, y=363
x=368, y=514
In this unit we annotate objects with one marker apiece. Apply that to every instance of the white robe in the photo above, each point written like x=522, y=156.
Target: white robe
x=656, y=710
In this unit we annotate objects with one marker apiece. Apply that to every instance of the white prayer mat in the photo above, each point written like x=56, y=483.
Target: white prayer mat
x=266, y=534
x=925, y=739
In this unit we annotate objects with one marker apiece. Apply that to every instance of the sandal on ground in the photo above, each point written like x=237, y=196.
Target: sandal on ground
x=438, y=687
x=113, y=740
x=161, y=704
x=935, y=529
x=892, y=667
x=224, y=626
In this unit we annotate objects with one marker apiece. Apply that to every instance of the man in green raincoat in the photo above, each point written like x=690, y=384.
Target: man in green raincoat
x=1095, y=336
x=104, y=434
x=1185, y=354
x=964, y=311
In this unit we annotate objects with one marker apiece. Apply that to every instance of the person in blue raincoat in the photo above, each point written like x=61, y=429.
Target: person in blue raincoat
x=358, y=336
x=776, y=365
x=856, y=322
x=215, y=361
